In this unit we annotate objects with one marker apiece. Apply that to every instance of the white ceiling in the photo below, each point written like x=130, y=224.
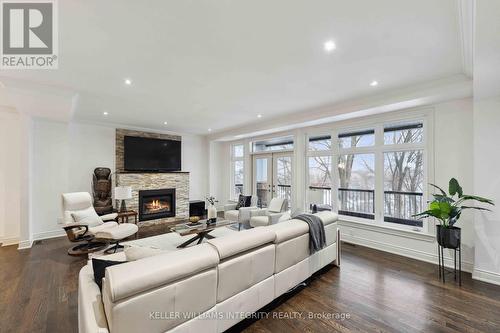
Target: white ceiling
x=202, y=64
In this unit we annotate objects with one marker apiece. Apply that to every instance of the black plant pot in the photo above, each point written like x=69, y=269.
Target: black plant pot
x=448, y=237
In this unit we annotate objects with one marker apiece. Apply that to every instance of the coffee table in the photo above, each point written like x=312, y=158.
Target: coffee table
x=201, y=232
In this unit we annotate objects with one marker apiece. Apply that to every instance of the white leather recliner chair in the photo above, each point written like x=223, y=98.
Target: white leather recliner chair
x=270, y=215
x=82, y=223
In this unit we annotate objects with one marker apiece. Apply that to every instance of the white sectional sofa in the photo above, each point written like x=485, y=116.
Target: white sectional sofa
x=207, y=287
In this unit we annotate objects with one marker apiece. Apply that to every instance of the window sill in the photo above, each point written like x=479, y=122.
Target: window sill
x=355, y=223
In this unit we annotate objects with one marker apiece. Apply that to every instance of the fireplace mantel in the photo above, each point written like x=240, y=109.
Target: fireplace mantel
x=154, y=181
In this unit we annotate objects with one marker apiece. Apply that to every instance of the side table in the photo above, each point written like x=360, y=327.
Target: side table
x=123, y=216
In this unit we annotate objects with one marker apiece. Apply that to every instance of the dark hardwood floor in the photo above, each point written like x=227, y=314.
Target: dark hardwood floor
x=374, y=291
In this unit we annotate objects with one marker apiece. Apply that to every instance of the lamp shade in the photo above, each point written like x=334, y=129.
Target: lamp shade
x=123, y=192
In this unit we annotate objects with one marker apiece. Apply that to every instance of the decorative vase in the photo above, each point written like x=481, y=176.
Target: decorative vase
x=211, y=213
x=448, y=237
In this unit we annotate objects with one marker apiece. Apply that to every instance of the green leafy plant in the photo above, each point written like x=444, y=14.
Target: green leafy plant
x=447, y=207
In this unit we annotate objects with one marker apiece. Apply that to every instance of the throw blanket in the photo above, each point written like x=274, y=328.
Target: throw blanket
x=317, y=239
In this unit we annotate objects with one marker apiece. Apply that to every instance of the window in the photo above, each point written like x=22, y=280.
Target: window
x=238, y=170
x=357, y=139
x=404, y=173
x=373, y=175
x=275, y=144
x=356, y=171
x=319, y=166
x=357, y=185
x=320, y=143
x=320, y=180
x=403, y=133
x=403, y=186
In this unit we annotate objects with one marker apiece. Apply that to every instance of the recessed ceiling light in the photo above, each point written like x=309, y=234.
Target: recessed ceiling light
x=105, y=113
x=374, y=83
x=210, y=130
x=165, y=123
x=128, y=82
x=259, y=116
x=329, y=46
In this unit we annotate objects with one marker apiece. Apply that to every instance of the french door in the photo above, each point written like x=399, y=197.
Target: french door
x=272, y=177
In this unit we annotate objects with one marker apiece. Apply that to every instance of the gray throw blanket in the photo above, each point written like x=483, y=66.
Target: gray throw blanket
x=317, y=239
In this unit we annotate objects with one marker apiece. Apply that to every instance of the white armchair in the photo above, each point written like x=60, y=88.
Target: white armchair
x=271, y=215
x=241, y=215
x=82, y=224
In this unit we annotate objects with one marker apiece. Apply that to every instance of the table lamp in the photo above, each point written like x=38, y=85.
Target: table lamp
x=123, y=193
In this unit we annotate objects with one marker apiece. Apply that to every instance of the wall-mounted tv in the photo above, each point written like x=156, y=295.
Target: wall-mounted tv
x=147, y=154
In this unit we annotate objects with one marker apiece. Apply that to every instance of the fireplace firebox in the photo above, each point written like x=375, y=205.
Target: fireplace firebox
x=156, y=204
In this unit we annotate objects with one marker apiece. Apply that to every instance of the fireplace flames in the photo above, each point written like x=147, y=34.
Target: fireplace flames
x=157, y=206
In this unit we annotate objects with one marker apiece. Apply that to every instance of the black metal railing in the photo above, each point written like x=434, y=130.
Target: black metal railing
x=357, y=202
x=324, y=197
x=399, y=207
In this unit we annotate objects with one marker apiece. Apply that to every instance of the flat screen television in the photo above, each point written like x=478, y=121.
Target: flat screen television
x=147, y=154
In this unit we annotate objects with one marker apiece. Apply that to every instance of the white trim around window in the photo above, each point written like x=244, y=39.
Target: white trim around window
x=377, y=123
x=240, y=159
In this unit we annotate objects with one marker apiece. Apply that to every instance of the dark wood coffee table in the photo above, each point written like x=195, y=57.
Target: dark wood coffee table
x=201, y=232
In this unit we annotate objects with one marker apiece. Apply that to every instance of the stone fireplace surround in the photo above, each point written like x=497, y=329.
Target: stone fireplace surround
x=152, y=180
x=155, y=181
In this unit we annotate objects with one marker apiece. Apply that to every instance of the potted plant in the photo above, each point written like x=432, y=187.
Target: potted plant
x=447, y=208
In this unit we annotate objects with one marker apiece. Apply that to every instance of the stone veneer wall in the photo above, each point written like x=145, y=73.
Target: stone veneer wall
x=152, y=181
x=155, y=181
x=121, y=133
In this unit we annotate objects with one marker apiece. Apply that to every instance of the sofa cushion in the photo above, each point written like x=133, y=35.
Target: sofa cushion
x=240, y=272
x=242, y=241
x=133, y=253
x=327, y=217
x=137, y=276
x=288, y=230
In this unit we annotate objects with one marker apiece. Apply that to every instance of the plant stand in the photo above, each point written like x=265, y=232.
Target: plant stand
x=442, y=269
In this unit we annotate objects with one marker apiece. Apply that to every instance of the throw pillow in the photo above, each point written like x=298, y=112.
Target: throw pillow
x=87, y=216
x=99, y=267
x=133, y=253
x=244, y=201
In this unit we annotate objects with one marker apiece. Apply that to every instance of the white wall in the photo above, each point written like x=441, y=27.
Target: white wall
x=219, y=172
x=65, y=155
x=487, y=184
x=452, y=158
x=195, y=154
x=10, y=176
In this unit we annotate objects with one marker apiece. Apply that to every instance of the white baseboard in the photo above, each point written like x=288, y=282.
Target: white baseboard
x=402, y=251
x=486, y=276
x=9, y=241
x=49, y=234
x=25, y=244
